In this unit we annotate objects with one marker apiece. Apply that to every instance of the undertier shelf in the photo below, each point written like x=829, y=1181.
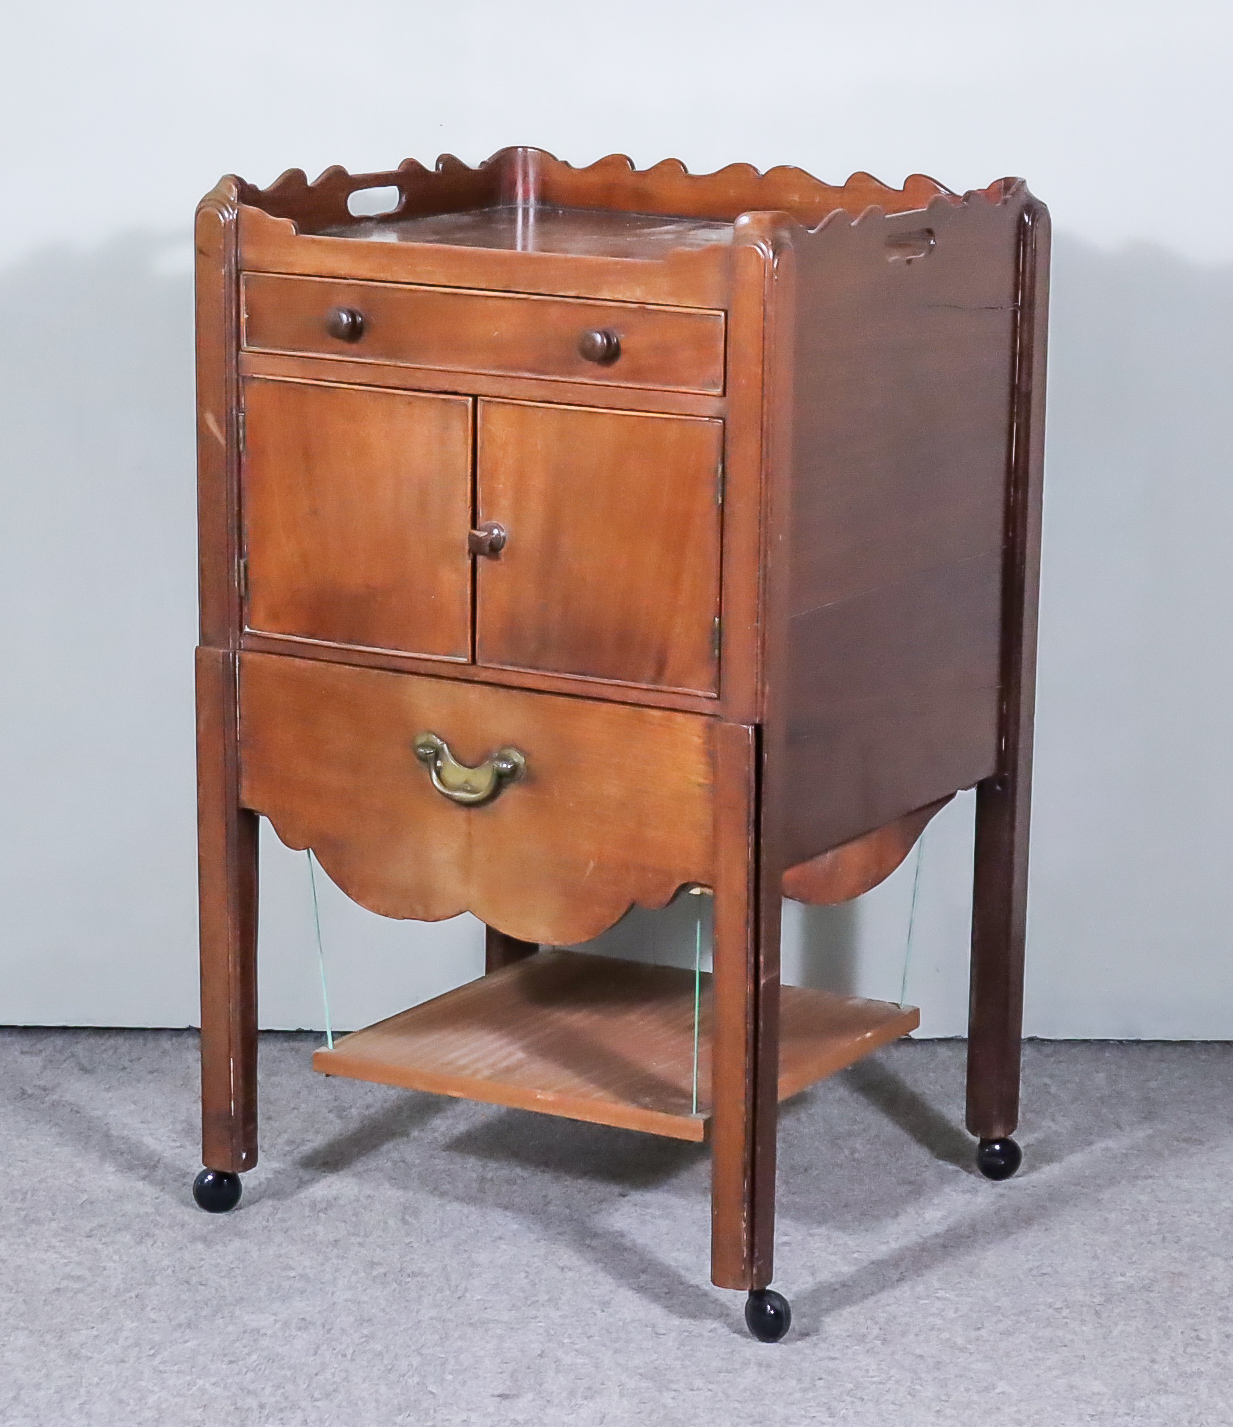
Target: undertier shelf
x=593, y=1038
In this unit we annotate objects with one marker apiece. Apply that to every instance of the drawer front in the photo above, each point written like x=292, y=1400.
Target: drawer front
x=357, y=503
x=610, y=567
x=507, y=334
x=613, y=805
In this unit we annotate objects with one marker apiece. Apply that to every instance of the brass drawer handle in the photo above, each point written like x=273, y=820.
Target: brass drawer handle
x=462, y=784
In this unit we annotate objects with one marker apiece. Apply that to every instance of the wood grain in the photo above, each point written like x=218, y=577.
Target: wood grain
x=227, y=887
x=592, y=1038
x=542, y=228
x=774, y=779
x=685, y=277
x=501, y=950
x=902, y=414
x=856, y=867
x=894, y=701
x=357, y=504
x=615, y=808
x=746, y=433
x=737, y=1065
x=1003, y=802
x=867, y=363
x=612, y=565
x=515, y=388
x=296, y=227
x=572, y=685
x=502, y=333
x=218, y=402
x=529, y=177
x=226, y=833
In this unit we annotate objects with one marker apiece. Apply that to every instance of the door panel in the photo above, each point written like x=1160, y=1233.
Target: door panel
x=357, y=503
x=611, y=563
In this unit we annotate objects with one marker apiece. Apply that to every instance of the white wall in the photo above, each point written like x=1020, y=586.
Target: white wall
x=116, y=119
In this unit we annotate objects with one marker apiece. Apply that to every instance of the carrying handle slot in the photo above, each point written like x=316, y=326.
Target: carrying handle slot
x=374, y=202
x=908, y=247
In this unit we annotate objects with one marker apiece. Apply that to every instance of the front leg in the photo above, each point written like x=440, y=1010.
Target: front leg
x=227, y=885
x=745, y=1041
x=995, y=1018
x=1003, y=802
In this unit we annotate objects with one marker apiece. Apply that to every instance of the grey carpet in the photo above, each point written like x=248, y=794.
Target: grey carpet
x=399, y=1258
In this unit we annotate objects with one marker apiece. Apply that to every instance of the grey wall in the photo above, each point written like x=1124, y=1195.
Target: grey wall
x=121, y=120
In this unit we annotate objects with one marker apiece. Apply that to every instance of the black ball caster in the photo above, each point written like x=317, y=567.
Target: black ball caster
x=998, y=1159
x=217, y=1190
x=768, y=1315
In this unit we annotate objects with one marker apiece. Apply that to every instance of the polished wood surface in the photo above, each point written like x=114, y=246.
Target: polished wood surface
x=744, y=1035
x=894, y=706
x=226, y=833
x=856, y=867
x=615, y=807
x=611, y=568
x=765, y=456
x=357, y=504
x=771, y=268
x=683, y=277
x=902, y=438
x=218, y=408
x=518, y=334
x=592, y=1038
x=501, y=950
x=528, y=177
x=227, y=883
x=298, y=227
x=516, y=388
x=1003, y=802
x=575, y=685
x=541, y=228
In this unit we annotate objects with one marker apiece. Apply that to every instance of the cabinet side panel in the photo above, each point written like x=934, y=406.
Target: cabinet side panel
x=903, y=381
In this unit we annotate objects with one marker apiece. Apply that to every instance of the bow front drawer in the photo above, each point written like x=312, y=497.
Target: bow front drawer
x=506, y=334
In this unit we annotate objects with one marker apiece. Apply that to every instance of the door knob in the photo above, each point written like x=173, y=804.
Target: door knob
x=345, y=323
x=602, y=346
x=489, y=539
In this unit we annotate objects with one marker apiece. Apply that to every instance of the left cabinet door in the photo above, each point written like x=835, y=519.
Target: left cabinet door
x=356, y=506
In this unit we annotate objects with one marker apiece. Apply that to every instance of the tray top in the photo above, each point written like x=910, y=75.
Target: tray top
x=542, y=228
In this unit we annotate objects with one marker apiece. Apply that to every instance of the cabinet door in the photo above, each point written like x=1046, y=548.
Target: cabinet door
x=611, y=562
x=357, y=503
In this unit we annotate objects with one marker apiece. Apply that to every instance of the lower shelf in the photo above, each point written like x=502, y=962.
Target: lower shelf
x=593, y=1038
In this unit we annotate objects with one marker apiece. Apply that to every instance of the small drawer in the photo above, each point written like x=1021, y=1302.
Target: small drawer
x=506, y=334
x=590, y=806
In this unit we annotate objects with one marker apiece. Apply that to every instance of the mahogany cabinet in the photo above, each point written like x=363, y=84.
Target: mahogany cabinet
x=577, y=538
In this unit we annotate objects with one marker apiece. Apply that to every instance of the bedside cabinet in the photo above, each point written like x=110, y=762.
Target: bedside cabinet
x=575, y=538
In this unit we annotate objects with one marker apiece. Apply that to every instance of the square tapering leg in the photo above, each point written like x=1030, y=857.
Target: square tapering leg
x=745, y=1048
x=227, y=872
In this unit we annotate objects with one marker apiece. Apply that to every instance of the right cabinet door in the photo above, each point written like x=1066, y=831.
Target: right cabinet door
x=611, y=563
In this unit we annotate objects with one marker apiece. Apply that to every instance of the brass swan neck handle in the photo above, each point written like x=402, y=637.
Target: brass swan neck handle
x=462, y=784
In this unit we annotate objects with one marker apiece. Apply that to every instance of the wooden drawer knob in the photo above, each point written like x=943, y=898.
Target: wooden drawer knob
x=601, y=345
x=489, y=539
x=345, y=323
